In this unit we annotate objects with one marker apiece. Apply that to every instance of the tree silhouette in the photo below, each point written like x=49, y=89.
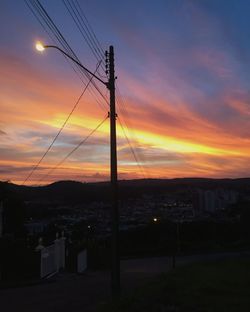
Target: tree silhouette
x=13, y=211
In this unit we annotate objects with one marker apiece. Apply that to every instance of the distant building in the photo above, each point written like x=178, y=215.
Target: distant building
x=213, y=200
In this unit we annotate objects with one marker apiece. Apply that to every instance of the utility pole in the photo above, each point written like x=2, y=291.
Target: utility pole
x=115, y=255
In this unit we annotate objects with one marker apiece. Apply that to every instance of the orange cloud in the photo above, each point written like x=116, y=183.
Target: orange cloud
x=172, y=136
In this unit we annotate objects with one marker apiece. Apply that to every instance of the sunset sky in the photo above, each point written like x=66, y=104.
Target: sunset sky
x=183, y=69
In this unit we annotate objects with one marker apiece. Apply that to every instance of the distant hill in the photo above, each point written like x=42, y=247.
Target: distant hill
x=74, y=192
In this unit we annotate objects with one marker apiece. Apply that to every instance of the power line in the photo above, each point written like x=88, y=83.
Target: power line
x=41, y=15
x=89, y=36
x=44, y=16
x=86, y=30
x=77, y=18
x=124, y=115
x=38, y=14
x=132, y=150
x=83, y=27
x=90, y=29
x=72, y=65
x=97, y=46
x=74, y=149
x=58, y=133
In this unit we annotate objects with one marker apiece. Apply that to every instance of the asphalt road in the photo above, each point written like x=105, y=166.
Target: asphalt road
x=75, y=293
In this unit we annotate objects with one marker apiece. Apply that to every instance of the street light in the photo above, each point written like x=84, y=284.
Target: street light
x=39, y=46
x=115, y=266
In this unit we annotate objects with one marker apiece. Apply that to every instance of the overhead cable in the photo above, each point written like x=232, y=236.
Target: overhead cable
x=74, y=149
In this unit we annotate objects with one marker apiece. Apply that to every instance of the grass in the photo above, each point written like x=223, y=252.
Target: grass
x=222, y=286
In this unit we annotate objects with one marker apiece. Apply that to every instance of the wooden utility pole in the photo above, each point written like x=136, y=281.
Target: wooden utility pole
x=115, y=264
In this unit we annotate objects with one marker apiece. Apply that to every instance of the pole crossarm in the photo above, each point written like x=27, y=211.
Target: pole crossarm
x=78, y=63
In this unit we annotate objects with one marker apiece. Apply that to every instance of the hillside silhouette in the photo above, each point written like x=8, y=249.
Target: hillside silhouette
x=74, y=192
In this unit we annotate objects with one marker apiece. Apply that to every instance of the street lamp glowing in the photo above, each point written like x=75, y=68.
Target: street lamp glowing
x=40, y=47
x=155, y=219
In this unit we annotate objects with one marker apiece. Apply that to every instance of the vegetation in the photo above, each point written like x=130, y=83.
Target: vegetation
x=217, y=287
x=14, y=211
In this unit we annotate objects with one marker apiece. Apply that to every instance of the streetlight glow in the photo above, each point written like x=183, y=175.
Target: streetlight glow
x=39, y=46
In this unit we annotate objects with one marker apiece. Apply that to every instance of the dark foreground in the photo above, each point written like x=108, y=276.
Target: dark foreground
x=215, y=285
x=221, y=286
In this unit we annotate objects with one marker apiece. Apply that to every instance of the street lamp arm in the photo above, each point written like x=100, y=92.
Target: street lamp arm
x=78, y=63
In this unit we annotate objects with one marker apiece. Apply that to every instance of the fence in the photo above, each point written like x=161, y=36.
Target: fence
x=52, y=257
